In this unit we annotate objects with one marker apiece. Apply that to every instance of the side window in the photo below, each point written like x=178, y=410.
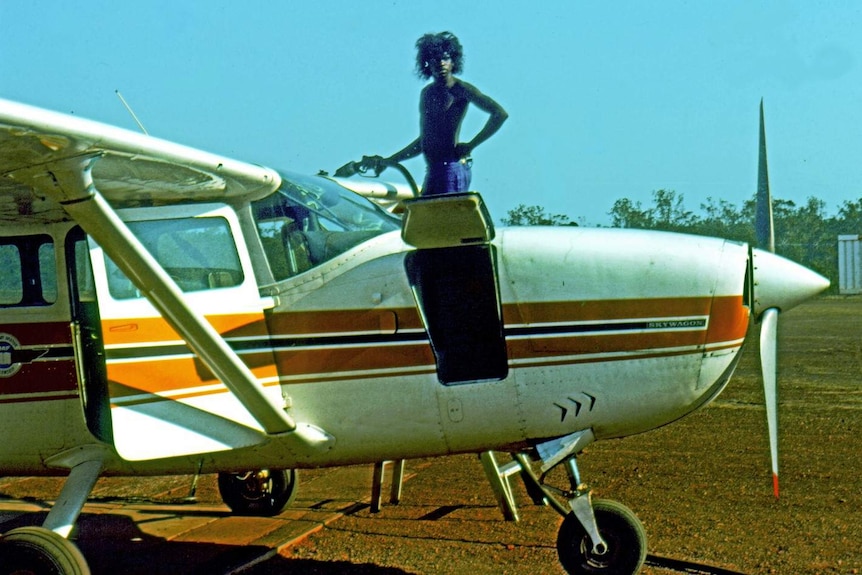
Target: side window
x=29, y=272
x=47, y=272
x=283, y=235
x=11, y=280
x=198, y=253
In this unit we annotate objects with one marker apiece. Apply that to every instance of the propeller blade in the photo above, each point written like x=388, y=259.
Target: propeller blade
x=768, y=365
x=763, y=227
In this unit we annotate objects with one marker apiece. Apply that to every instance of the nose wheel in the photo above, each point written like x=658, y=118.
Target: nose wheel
x=623, y=551
x=600, y=537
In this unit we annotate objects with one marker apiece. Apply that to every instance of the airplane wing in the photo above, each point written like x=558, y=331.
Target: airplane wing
x=131, y=169
x=56, y=167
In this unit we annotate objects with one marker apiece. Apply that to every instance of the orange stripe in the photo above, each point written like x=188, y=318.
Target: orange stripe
x=152, y=330
x=120, y=394
x=338, y=321
x=170, y=375
x=729, y=319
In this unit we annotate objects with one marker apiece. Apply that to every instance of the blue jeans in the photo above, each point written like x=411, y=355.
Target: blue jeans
x=447, y=178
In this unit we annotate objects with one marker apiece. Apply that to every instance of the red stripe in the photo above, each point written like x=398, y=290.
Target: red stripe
x=41, y=377
x=35, y=334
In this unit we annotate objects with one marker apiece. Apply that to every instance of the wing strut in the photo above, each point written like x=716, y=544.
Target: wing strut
x=70, y=183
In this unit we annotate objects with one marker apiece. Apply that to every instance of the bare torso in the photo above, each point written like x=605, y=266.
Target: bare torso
x=442, y=109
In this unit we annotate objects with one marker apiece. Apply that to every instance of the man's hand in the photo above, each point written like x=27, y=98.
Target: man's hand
x=463, y=150
x=374, y=163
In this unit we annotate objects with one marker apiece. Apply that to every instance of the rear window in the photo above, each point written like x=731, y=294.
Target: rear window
x=29, y=272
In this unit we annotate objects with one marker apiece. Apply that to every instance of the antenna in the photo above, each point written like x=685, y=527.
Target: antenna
x=129, y=109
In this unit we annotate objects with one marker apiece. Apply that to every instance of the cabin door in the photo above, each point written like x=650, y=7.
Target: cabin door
x=164, y=400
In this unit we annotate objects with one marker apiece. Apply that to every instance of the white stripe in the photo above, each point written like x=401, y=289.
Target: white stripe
x=71, y=394
x=359, y=374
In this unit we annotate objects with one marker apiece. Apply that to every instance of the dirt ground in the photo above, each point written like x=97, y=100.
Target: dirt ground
x=702, y=487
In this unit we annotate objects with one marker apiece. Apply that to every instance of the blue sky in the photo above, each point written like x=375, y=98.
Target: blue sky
x=607, y=100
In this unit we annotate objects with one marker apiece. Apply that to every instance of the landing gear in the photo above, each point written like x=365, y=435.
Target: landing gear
x=264, y=492
x=40, y=551
x=45, y=550
x=596, y=537
x=624, y=548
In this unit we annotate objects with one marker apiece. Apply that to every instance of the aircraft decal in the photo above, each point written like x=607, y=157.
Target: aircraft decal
x=42, y=367
x=8, y=347
x=578, y=404
x=677, y=324
x=615, y=326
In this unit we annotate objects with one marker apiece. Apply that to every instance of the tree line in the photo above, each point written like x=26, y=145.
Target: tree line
x=805, y=234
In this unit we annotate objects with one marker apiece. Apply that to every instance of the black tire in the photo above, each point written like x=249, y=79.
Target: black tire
x=40, y=551
x=262, y=493
x=621, y=530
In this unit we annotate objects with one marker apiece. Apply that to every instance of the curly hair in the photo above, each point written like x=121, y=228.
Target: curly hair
x=431, y=47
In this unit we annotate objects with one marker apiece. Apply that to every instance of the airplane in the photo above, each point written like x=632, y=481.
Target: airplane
x=165, y=310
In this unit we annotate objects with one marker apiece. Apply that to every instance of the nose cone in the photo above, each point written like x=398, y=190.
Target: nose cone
x=783, y=284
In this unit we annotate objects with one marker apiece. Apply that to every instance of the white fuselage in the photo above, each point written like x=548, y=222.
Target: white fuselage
x=610, y=330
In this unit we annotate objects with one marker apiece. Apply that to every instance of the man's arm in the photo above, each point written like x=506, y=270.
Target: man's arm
x=412, y=150
x=497, y=115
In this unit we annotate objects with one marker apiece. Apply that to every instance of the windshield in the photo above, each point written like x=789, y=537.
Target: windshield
x=311, y=219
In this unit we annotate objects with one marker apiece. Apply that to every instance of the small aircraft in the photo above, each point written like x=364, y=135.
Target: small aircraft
x=168, y=311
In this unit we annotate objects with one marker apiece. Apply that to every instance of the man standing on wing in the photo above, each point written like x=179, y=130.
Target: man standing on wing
x=442, y=107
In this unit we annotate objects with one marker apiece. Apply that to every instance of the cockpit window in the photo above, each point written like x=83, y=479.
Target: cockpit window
x=311, y=219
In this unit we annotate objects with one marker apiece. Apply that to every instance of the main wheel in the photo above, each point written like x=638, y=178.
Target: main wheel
x=262, y=493
x=40, y=551
x=621, y=530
